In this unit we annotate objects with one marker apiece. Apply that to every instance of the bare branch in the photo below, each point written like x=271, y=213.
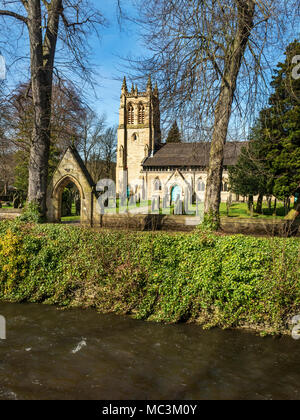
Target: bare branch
x=14, y=15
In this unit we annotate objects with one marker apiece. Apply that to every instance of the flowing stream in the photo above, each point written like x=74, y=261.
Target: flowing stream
x=53, y=354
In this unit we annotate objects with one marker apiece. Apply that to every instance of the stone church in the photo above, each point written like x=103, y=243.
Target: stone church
x=146, y=166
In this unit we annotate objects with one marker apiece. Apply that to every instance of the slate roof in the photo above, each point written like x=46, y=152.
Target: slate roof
x=191, y=154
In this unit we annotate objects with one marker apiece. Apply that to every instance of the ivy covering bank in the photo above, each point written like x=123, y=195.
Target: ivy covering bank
x=229, y=281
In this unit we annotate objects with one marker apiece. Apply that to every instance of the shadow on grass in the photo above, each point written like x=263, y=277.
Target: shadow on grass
x=240, y=210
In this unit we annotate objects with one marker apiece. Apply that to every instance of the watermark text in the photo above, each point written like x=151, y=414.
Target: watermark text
x=2, y=68
x=2, y=328
x=296, y=327
x=296, y=69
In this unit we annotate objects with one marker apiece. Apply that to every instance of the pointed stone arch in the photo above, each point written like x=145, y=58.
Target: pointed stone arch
x=58, y=191
x=71, y=169
x=200, y=185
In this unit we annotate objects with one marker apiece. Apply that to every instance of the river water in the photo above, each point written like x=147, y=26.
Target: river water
x=75, y=354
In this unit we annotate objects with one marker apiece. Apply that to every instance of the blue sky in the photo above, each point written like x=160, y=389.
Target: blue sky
x=116, y=42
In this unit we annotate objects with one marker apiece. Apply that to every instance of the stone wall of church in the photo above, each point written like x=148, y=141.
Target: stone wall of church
x=137, y=149
x=162, y=182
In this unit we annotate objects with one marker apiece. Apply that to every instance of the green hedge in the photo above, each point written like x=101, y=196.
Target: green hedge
x=224, y=281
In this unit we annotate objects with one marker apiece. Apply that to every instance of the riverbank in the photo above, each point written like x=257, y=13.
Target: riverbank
x=214, y=281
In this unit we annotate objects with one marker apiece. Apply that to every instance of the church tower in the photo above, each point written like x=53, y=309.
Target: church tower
x=139, y=132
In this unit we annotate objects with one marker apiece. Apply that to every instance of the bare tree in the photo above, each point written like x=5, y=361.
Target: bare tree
x=102, y=156
x=48, y=22
x=67, y=111
x=108, y=151
x=2, y=111
x=209, y=57
x=92, y=129
x=65, y=128
x=6, y=148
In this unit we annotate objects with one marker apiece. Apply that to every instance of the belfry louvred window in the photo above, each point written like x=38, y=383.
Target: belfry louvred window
x=130, y=114
x=141, y=114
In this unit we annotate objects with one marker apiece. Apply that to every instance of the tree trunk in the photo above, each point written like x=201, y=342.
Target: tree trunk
x=250, y=202
x=259, y=204
x=42, y=62
x=285, y=204
x=269, y=203
x=275, y=207
x=233, y=61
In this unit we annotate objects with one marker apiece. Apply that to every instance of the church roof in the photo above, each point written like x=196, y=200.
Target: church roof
x=191, y=154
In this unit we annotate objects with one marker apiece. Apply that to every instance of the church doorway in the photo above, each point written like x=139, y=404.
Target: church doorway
x=175, y=193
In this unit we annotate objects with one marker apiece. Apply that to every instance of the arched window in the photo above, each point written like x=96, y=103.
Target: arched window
x=201, y=186
x=141, y=118
x=130, y=114
x=134, y=137
x=224, y=187
x=146, y=150
x=157, y=185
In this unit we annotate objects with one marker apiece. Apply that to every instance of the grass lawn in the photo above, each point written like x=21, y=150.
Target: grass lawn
x=73, y=218
x=236, y=210
x=70, y=219
x=6, y=207
x=241, y=210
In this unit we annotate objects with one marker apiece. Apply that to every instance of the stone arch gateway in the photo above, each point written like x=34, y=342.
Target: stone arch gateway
x=71, y=169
